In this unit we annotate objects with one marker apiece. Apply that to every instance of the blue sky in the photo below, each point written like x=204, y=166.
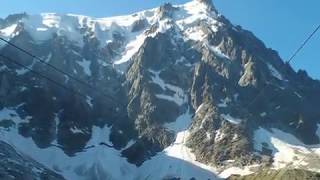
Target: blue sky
x=281, y=24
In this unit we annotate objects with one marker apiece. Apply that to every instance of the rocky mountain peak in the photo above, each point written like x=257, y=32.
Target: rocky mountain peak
x=189, y=90
x=166, y=10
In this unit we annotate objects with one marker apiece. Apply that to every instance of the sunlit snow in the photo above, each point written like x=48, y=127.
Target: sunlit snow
x=179, y=96
x=231, y=119
x=131, y=49
x=287, y=149
x=8, y=31
x=275, y=73
x=85, y=64
x=101, y=161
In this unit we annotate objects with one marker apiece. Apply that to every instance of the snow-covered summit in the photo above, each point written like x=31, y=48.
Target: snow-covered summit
x=43, y=25
x=129, y=29
x=208, y=3
x=188, y=81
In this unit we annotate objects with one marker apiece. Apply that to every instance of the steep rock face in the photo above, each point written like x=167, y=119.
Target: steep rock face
x=61, y=110
x=155, y=85
x=245, y=83
x=157, y=94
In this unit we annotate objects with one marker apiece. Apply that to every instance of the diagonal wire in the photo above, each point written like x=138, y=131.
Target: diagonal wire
x=289, y=61
x=291, y=58
x=91, y=87
x=10, y=60
x=58, y=70
x=303, y=44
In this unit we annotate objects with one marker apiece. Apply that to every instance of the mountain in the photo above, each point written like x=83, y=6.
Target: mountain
x=175, y=92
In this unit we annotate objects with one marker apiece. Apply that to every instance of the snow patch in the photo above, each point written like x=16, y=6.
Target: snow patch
x=75, y=130
x=195, y=33
x=181, y=123
x=179, y=101
x=236, y=171
x=298, y=95
x=8, y=32
x=164, y=25
x=99, y=160
x=3, y=67
x=179, y=96
x=48, y=58
x=176, y=161
x=199, y=108
x=189, y=16
x=9, y=114
x=219, y=136
x=42, y=27
x=274, y=72
x=51, y=20
x=224, y=103
x=287, y=149
x=85, y=64
x=89, y=101
x=231, y=119
x=131, y=49
x=264, y=114
x=102, y=161
x=217, y=51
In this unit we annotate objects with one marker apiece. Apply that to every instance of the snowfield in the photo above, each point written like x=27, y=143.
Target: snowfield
x=287, y=149
x=102, y=161
x=176, y=160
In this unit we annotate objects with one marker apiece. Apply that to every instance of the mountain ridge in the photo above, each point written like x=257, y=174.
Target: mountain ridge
x=199, y=93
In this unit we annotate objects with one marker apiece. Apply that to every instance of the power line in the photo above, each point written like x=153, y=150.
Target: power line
x=93, y=88
x=57, y=69
x=291, y=58
x=42, y=76
x=262, y=89
x=289, y=61
x=303, y=44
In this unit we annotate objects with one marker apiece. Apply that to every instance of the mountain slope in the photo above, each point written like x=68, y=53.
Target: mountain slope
x=17, y=166
x=179, y=92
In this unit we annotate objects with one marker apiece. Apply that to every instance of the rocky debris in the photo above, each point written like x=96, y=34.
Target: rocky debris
x=220, y=139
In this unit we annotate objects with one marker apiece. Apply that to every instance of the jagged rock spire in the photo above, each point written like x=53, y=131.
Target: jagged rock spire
x=166, y=10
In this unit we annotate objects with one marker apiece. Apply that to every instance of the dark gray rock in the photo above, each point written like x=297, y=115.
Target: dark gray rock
x=166, y=11
x=15, y=166
x=139, y=25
